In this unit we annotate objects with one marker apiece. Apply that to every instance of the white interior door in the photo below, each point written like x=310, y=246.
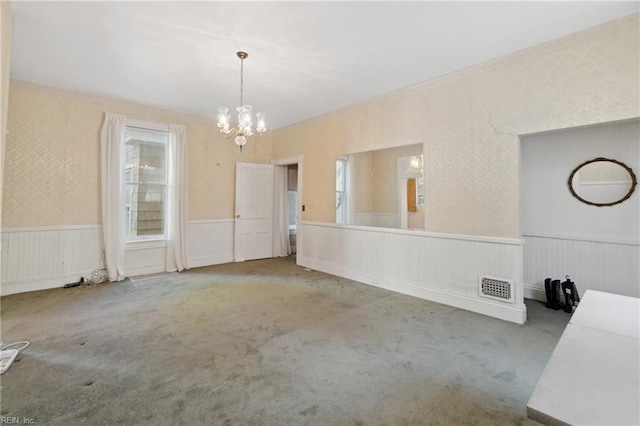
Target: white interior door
x=254, y=212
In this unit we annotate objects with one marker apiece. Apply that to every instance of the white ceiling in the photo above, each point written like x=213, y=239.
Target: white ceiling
x=305, y=58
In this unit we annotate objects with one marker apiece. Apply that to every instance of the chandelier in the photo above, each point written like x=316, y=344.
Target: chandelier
x=417, y=163
x=245, y=121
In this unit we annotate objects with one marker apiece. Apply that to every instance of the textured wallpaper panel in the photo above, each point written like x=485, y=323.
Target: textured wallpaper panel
x=52, y=163
x=6, y=33
x=469, y=122
x=385, y=185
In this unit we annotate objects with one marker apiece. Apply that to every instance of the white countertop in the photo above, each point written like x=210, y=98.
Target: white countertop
x=593, y=375
x=609, y=312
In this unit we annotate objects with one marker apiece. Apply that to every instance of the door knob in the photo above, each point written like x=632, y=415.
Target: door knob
x=237, y=216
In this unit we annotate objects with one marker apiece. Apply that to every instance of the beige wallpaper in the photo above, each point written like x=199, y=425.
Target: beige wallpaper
x=6, y=24
x=53, y=157
x=469, y=122
x=385, y=177
x=376, y=184
x=363, y=184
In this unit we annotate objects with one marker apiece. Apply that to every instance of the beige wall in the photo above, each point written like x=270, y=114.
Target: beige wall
x=363, y=185
x=53, y=158
x=376, y=178
x=469, y=122
x=385, y=177
x=6, y=33
x=6, y=23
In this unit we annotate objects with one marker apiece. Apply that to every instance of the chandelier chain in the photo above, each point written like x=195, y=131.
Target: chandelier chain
x=241, y=80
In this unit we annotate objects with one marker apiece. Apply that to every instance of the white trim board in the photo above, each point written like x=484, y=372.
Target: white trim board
x=11, y=230
x=579, y=238
x=462, y=237
x=37, y=284
x=503, y=311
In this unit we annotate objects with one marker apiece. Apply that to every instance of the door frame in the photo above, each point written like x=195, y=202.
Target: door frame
x=288, y=161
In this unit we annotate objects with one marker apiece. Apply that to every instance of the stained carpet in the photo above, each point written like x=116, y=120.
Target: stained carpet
x=266, y=343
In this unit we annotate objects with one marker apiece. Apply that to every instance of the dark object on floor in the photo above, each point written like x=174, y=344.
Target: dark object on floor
x=79, y=283
x=547, y=292
x=552, y=289
x=571, y=296
x=555, y=295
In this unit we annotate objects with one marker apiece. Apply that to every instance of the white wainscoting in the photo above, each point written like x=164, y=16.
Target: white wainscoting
x=147, y=257
x=48, y=256
x=440, y=267
x=210, y=242
x=38, y=258
x=596, y=264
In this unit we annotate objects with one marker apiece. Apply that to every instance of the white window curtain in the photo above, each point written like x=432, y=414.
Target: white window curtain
x=113, y=211
x=112, y=215
x=177, y=197
x=281, y=243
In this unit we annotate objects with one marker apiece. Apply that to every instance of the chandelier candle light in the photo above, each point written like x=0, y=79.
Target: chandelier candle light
x=245, y=124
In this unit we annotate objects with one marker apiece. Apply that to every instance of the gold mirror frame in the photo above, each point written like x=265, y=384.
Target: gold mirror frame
x=634, y=182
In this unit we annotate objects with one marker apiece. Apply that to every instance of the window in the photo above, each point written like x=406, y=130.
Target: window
x=144, y=187
x=420, y=190
x=341, y=191
x=145, y=183
x=292, y=206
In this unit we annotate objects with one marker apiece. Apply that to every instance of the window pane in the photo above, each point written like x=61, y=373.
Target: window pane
x=340, y=175
x=292, y=206
x=421, y=190
x=145, y=210
x=145, y=156
x=340, y=207
x=145, y=176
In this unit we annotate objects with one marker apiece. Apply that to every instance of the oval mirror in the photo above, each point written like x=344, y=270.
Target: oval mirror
x=602, y=182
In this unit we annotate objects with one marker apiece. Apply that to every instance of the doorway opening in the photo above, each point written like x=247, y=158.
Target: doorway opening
x=292, y=204
x=287, y=206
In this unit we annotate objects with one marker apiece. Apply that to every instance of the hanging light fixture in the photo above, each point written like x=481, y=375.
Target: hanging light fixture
x=417, y=163
x=245, y=120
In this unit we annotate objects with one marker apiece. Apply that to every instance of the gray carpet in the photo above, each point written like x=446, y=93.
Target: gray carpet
x=266, y=343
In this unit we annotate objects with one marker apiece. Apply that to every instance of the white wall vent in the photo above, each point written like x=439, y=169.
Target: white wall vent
x=496, y=288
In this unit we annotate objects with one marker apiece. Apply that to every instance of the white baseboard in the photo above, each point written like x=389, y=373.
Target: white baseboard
x=534, y=293
x=503, y=312
x=145, y=270
x=13, y=287
x=198, y=262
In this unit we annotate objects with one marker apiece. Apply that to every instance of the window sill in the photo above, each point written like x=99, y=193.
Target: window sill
x=146, y=244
